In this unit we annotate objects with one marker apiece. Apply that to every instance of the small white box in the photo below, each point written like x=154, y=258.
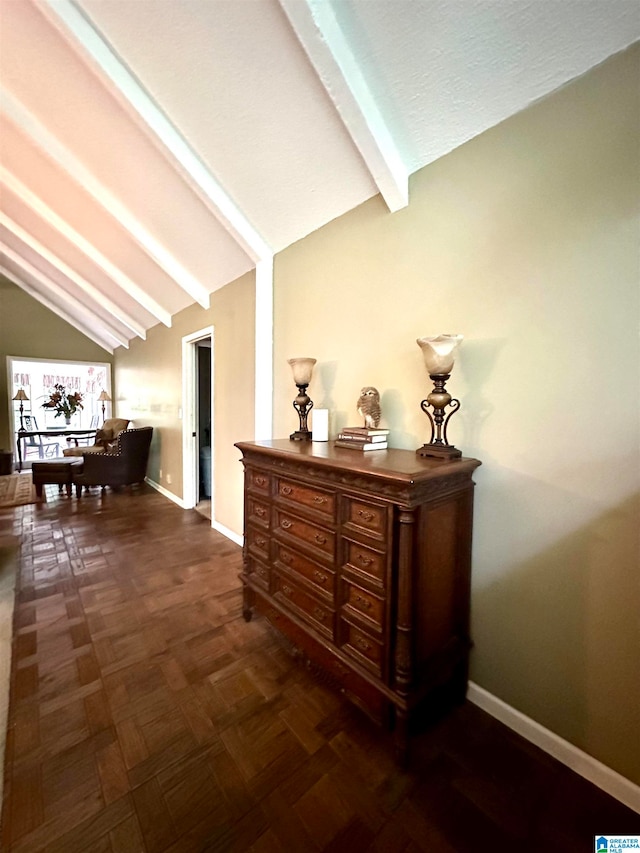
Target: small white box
x=320, y=424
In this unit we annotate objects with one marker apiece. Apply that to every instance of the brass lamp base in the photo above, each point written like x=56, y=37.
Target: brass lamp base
x=301, y=435
x=439, y=451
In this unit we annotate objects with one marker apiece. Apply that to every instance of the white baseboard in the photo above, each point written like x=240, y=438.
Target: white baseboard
x=226, y=531
x=580, y=762
x=165, y=492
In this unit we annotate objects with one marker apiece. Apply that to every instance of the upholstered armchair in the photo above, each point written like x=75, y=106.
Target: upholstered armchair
x=124, y=465
x=105, y=438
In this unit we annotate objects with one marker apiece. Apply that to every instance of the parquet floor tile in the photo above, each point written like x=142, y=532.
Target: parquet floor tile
x=146, y=715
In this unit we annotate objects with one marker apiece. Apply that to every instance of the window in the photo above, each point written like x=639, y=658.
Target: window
x=37, y=378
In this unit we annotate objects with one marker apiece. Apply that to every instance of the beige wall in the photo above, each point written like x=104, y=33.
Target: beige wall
x=29, y=330
x=149, y=381
x=526, y=241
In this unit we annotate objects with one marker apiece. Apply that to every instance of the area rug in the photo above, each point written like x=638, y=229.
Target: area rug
x=17, y=490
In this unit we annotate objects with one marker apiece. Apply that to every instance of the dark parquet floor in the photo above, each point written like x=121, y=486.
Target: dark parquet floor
x=146, y=715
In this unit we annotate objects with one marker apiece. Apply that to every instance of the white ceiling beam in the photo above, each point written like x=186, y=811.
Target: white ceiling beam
x=102, y=338
x=71, y=21
x=42, y=210
x=56, y=151
x=314, y=23
x=64, y=269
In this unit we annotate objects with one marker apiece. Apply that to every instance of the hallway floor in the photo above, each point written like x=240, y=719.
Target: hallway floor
x=146, y=715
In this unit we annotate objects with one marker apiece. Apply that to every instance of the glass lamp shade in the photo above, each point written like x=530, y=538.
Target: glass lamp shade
x=104, y=397
x=21, y=395
x=302, y=369
x=439, y=352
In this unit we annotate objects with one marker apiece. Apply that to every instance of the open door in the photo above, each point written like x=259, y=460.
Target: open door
x=197, y=424
x=203, y=425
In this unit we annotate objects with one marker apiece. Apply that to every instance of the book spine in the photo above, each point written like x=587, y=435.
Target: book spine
x=366, y=430
x=361, y=445
x=369, y=439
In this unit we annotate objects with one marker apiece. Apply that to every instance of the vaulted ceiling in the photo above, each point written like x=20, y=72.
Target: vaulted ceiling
x=155, y=150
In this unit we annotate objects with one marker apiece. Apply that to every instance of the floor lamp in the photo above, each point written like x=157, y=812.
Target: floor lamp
x=104, y=398
x=21, y=396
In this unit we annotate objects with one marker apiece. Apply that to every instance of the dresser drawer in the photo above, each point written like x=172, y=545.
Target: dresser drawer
x=258, y=481
x=257, y=511
x=353, y=685
x=363, y=647
x=366, y=560
x=320, y=501
x=368, y=517
x=364, y=603
x=257, y=542
x=304, y=604
x=258, y=572
x=313, y=572
x=320, y=538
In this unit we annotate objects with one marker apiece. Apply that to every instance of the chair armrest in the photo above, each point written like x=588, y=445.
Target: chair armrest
x=100, y=466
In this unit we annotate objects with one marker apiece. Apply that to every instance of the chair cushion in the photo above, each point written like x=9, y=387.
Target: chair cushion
x=83, y=451
x=105, y=438
x=116, y=425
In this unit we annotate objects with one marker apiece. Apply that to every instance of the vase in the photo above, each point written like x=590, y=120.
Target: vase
x=67, y=421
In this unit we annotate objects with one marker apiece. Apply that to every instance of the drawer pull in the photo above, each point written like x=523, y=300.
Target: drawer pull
x=363, y=644
x=285, y=524
x=363, y=602
x=261, y=571
x=260, y=511
x=285, y=490
x=320, y=577
x=286, y=557
x=318, y=499
x=261, y=542
x=320, y=539
x=365, y=514
x=260, y=481
x=287, y=590
x=319, y=614
x=366, y=561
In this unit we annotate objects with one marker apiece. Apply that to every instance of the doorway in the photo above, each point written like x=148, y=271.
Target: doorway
x=203, y=437
x=197, y=426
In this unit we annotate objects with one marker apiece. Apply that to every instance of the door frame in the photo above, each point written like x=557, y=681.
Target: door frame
x=190, y=458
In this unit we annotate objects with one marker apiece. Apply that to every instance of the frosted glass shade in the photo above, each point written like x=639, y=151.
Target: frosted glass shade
x=439, y=352
x=302, y=369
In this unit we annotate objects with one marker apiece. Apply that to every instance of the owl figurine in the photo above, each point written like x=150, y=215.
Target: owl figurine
x=369, y=406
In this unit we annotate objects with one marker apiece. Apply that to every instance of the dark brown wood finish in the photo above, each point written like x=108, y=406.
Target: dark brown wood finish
x=146, y=715
x=393, y=533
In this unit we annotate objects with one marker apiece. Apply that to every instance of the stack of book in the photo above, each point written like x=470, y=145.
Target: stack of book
x=361, y=438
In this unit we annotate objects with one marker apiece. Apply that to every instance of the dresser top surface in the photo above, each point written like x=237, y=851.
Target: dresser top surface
x=402, y=465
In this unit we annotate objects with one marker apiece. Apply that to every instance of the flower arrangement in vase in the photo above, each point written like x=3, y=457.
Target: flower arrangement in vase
x=64, y=403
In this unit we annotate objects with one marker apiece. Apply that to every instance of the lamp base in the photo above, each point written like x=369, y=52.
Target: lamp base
x=301, y=435
x=439, y=451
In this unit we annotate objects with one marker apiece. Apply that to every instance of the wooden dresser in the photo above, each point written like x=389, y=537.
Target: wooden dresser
x=362, y=560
